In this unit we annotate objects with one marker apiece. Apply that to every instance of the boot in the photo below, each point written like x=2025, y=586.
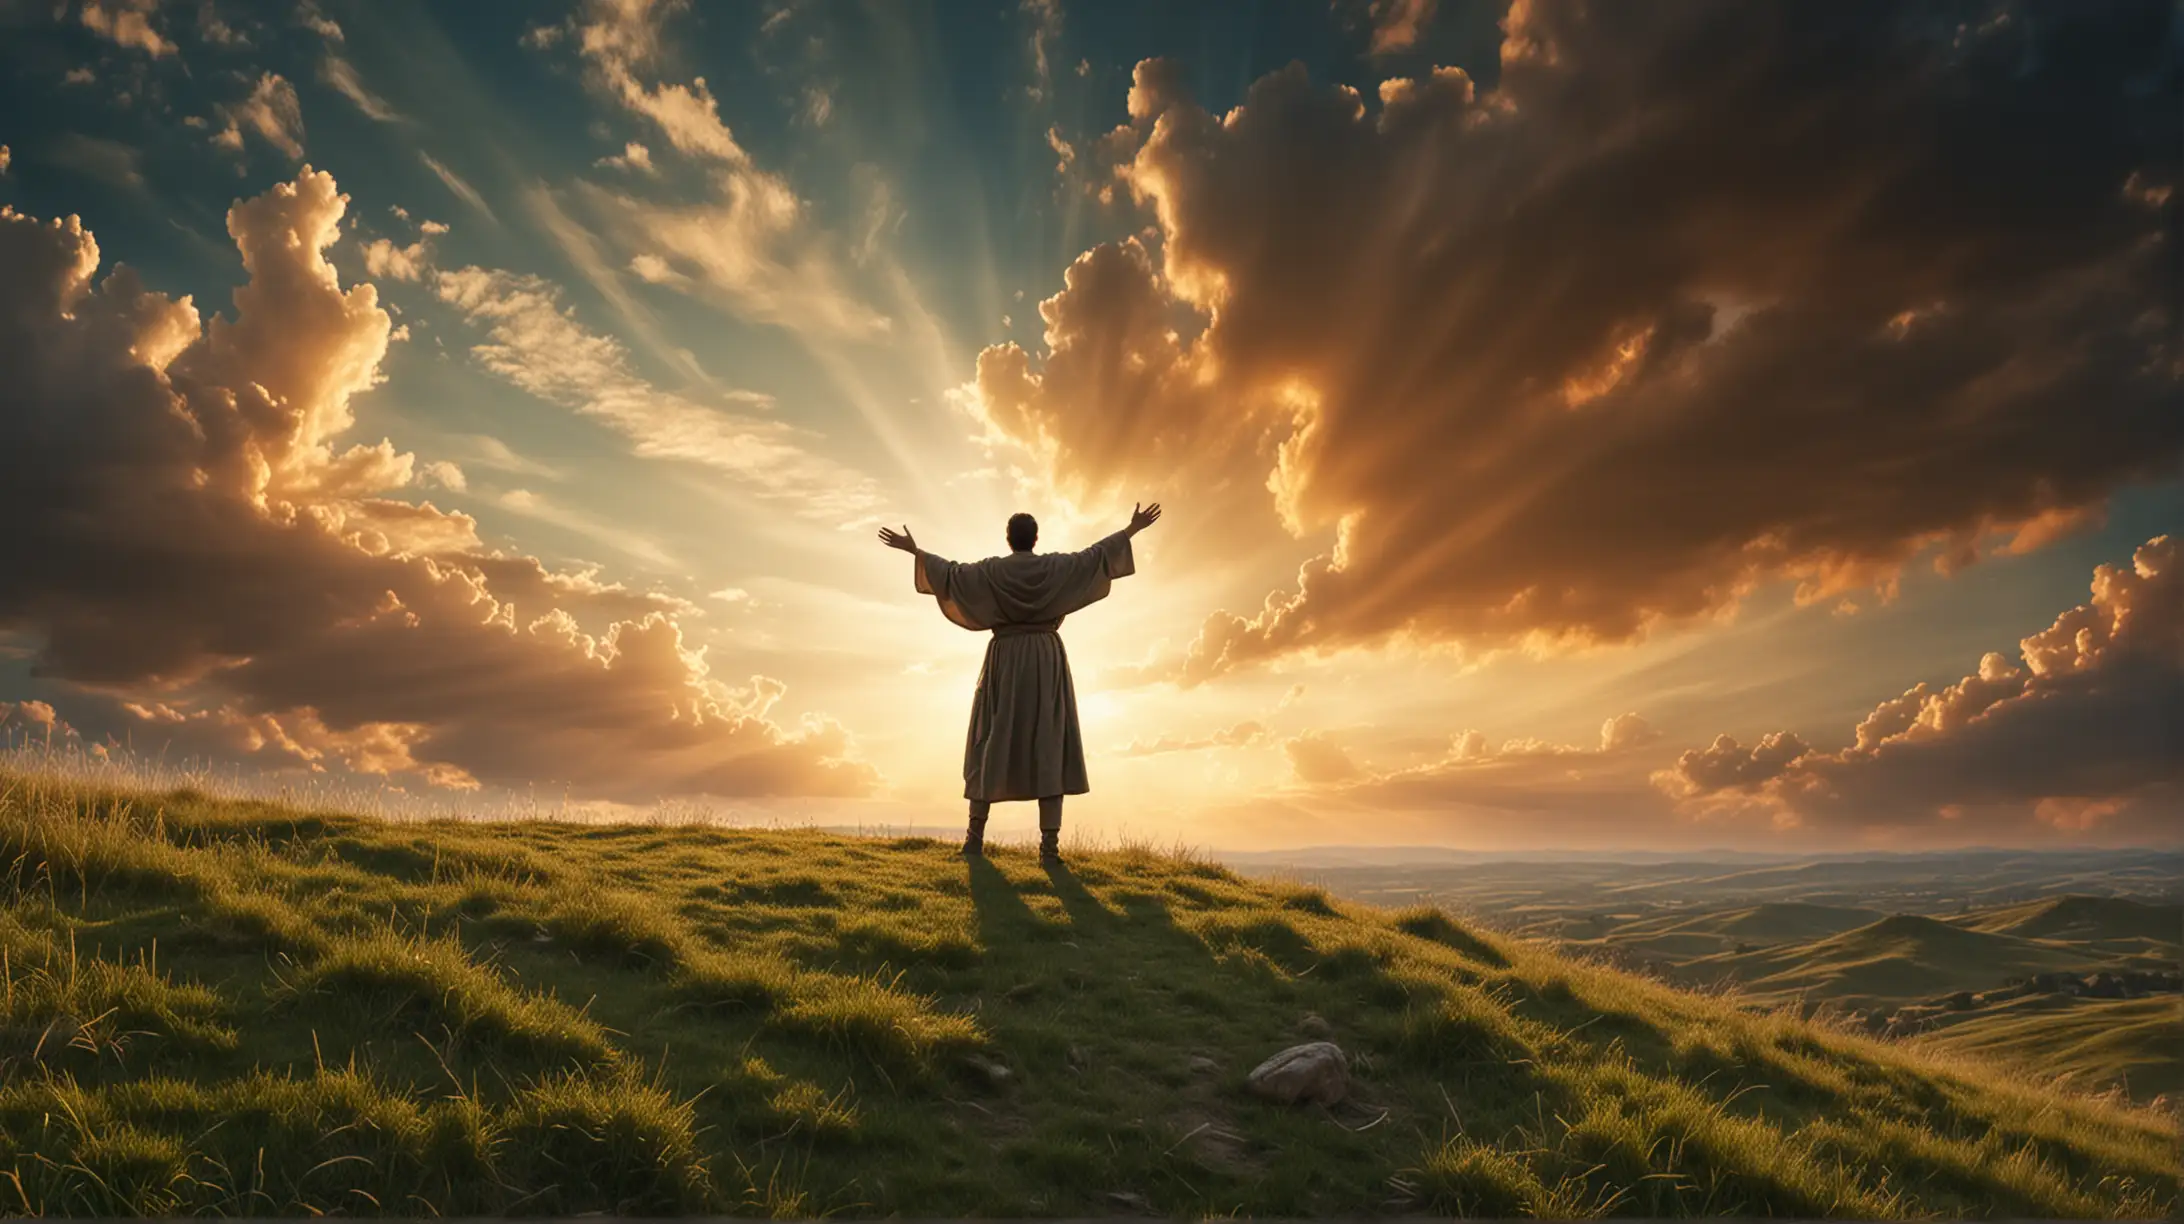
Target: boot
x=1050, y=851
x=974, y=841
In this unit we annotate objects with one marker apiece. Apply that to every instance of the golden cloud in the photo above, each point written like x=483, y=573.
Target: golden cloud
x=200, y=554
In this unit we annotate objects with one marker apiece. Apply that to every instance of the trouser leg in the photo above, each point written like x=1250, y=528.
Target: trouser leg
x=1050, y=828
x=974, y=839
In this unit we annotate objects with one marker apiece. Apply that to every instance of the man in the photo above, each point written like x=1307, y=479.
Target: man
x=1024, y=741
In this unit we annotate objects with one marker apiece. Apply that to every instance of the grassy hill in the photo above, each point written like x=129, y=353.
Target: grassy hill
x=1679, y=937
x=2137, y=1044
x=241, y=1008
x=2119, y=922
x=1901, y=956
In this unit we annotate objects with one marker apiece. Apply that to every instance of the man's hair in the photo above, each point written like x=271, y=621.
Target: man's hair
x=1023, y=532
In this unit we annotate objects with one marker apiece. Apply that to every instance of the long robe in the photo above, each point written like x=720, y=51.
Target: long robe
x=1024, y=741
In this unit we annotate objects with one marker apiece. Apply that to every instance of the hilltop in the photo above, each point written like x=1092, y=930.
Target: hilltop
x=238, y=1007
x=2118, y=921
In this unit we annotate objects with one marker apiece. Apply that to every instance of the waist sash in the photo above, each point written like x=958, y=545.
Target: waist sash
x=1002, y=631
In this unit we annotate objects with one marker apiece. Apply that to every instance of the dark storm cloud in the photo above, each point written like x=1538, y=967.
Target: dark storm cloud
x=1699, y=296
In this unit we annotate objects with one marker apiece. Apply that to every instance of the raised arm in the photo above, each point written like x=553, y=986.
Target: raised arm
x=1142, y=517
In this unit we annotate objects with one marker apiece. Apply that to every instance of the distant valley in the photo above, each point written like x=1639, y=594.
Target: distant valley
x=2065, y=964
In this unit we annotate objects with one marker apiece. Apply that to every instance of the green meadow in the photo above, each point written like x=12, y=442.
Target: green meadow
x=234, y=1007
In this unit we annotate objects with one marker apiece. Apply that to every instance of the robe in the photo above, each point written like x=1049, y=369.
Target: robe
x=1024, y=741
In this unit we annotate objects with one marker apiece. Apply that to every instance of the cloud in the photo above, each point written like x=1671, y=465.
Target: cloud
x=271, y=112
x=2084, y=731
x=27, y=713
x=310, y=17
x=126, y=23
x=109, y=161
x=4, y=158
x=202, y=557
x=1397, y=24
x=341, y=75
x=633, y=157
x=1626, y=731
x=1640, y=329
x=212, y=28
x=750, y=246
x=383, y=258
x=544, y=509
x=1046, y=28
x=536, y=344
x=463, y=191
x=1320, y=761
x=1237, y=736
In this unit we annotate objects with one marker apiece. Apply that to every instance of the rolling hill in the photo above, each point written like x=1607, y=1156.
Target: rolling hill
x=2120, y=922
x=2131, y=1044
x=1902, y=956
x=241, y=1008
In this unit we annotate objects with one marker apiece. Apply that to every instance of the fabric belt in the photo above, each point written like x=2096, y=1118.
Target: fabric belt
x=1002, y=631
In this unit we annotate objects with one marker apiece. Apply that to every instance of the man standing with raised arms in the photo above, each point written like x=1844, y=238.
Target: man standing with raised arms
x=1024, y=741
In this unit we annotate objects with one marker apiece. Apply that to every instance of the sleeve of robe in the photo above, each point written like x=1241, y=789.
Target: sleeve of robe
x=1094, y=569
x=937, y=577
x=1073, y=580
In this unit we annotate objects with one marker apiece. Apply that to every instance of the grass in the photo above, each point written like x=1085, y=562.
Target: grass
x=241, y=1007
x=2128, y=1044
x=1902, y=956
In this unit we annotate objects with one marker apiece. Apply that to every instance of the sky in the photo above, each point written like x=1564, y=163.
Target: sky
x=1579, y=426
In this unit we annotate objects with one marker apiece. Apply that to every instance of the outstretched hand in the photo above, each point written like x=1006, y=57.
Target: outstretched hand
x=899, y=539
x=1144, y=516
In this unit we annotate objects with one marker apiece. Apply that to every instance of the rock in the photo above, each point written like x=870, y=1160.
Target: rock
x=1135, y=1202
x=993, y=1072
x=1315, y=1025
x=1315, y=1073
x=1203, y=1065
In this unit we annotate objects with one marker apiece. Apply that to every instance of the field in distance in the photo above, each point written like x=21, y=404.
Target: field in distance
x=2063, y=964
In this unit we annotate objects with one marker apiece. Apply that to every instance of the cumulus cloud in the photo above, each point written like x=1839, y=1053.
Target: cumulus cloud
x=384, y=259
x=1319, y=761
x=200, y=555
x=1240, y=735
x=271, y=113
x=126, y=23
x=2084, y=730
x=1626, y=731
x=27, y=714
x=1642, y=327
x=536, y=344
